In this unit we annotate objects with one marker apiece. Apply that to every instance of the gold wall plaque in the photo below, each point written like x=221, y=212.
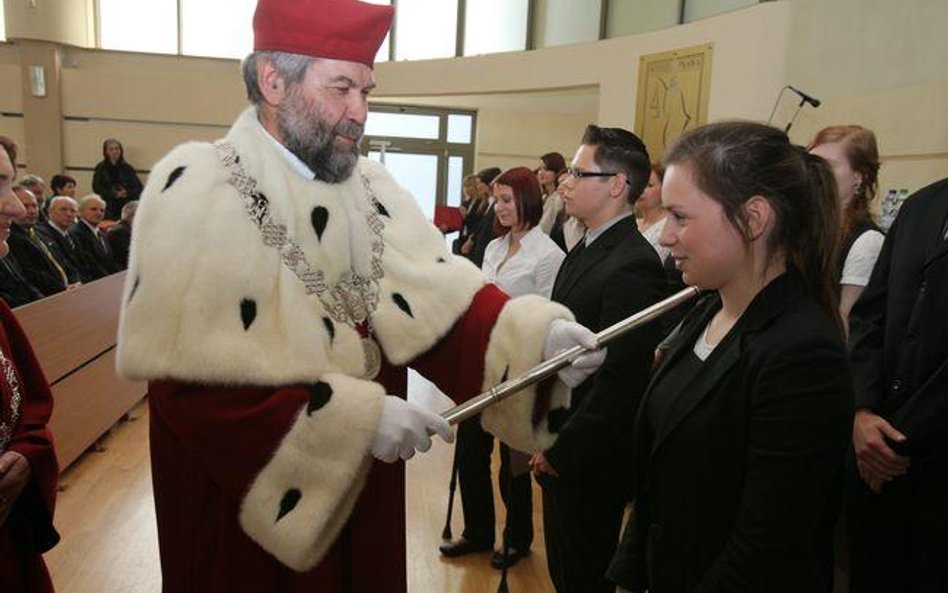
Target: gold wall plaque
x=672, y=96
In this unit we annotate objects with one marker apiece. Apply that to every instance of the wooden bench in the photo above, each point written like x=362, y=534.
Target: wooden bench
x=73, y=334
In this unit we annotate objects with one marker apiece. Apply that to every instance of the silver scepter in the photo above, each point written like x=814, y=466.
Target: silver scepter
x=478, y=404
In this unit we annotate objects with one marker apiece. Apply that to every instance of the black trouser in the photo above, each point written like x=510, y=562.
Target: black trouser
x=895, y=548
x=581, y=523
x=477, y=495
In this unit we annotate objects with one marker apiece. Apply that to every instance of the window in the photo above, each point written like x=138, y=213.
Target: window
x=700, y=9
x=402, y=125
x=426, y=29
x=428, y=150
x=559, y=22
x=139, y=25
x=217, y=28
x=640, y=16
x=459, y=127
x=495, y=25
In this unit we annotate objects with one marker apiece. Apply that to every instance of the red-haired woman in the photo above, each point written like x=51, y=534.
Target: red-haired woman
x=522, y=260
x=852, y=153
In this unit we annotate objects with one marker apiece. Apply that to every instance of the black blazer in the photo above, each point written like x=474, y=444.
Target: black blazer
x=120, y=237
x=483, y=235
x=96, y=255
x=63, y=248
x=15, y=289
x=618, y=275
x=733, y=483
x=899, y=347
x=35, y=264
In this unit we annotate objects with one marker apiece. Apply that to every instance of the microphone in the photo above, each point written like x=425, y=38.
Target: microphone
x=811, y=100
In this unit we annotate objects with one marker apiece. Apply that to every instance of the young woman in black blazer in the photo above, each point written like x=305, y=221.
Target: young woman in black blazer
x=743, y=429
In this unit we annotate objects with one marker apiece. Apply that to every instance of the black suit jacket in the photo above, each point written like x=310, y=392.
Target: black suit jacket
x=64, y=250
x=483, y=235
x=618, y=275
x=15, y=289
x=899, y=347
x=734, y=481
x=96, y=255
x=120, y=237
x=34, y=263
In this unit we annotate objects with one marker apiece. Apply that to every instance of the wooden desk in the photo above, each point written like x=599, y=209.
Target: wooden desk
x=73, y=334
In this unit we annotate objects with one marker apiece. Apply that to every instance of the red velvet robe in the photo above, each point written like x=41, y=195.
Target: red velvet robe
x=28, y=530
x=209, y=442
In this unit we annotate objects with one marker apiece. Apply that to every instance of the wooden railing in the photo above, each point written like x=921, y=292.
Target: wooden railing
x=73, y=335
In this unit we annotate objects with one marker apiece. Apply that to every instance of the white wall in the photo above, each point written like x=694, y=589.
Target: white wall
x=879, y=64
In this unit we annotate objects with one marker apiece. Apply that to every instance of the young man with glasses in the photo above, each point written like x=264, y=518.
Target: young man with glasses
x=611, y=274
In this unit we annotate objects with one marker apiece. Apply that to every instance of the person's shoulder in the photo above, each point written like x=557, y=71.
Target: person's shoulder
x=920, y=203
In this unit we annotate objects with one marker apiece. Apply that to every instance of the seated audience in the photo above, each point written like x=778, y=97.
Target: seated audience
x=120, y=235
x=852, y=153
x=523, y=260
x=114, y=179
x=552, y=164
x=30, y=249
x=898, y=339
x=608, y=276
x=740, y=437
x=15, y=289
x=28, y=468
x=63, y=185
x=93, y=247
x=35, y=184
x=63, y=213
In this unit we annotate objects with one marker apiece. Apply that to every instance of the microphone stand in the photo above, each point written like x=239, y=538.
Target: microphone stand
x=794, y=118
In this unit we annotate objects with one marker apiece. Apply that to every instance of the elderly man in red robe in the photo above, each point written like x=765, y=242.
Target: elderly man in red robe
x=28, y=468
x=278, y=287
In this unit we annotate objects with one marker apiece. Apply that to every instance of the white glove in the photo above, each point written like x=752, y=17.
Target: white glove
x=404, y=428
x=564, y=335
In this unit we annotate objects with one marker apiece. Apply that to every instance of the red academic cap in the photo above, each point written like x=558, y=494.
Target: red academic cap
x=335, y=29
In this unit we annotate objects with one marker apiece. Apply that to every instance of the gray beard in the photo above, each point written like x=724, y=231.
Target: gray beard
x=311, y=140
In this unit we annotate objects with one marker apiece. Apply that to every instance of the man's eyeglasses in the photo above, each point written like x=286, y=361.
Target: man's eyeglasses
x=577, y=174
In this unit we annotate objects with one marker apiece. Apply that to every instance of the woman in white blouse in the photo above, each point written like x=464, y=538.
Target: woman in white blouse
x=853, y=155
x=523, y=260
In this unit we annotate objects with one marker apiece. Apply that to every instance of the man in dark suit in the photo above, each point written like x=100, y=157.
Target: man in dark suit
x=611, y=274
x=36, y=261
x=15, y=289
x=90, y=241
x=897, y=518
x=63, y=212
x=120, y=235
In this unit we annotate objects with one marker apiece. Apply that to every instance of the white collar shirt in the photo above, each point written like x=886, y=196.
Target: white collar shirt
x=532, y=270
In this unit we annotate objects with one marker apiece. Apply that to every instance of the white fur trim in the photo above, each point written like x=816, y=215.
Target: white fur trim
x=324, y=458
x=195, y=257
x=436, y=286
x=516, y=346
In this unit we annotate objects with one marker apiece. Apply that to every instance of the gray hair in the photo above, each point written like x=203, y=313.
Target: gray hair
x=292, y=68
x=30, y=179
x=90, y=198
x=58, y=199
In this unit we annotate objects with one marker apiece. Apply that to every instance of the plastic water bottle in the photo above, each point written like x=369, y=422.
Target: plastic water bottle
x=889, y=209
